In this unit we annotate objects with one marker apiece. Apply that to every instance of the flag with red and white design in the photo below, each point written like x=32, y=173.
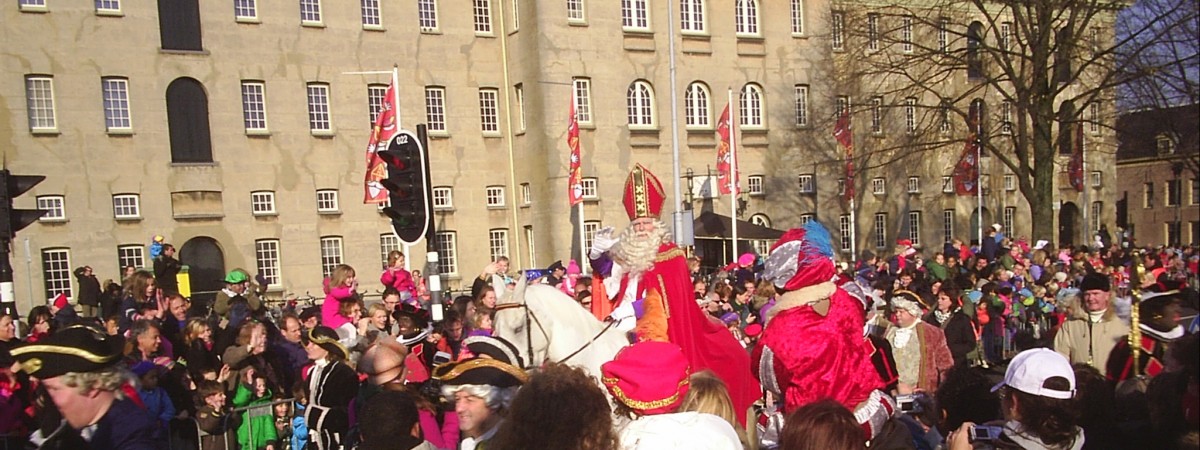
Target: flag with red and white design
x=381, y=134
x=726, y=156
x=1075, y=167
x=575, y=176
x=842, y=133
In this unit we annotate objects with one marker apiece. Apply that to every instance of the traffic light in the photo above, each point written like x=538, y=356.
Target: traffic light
x=12, y=186
x=408, y=193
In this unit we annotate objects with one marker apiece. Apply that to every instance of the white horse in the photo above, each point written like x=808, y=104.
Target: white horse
x=543, y=319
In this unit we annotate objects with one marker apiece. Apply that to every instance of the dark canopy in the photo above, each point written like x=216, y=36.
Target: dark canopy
x=715, y=226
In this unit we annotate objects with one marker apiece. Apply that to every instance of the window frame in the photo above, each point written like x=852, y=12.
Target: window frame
x=913, y=185
x=41, y=110
x=943, y=35
x=388, y=242
x=497, y=243
x=581, y=8
x=489, y=111
x=240, y=9
x=61, y=208
x=844, y=233
x=797, y=16
x=320, y=110
x=329, y=245
x=443, y=195
x=873, y=32
x=526, y=195
x=1147, y=195
x=640, y=106
x=447, y=246
x=263, y=198
x=131, y=255
x=427, y=16
x=435, y=109
x=1010, y=182
x=269, y=268
x=837, y=26
x=879, y=230
x=250, y=115
x=591, y=188
x=879, y=186
x=747, y=23
x=481, y=18
x=56, y=272
x=693, y=17
x=118, y=116
x=311, y=13
x=947, y=184
x=133, y=210
x=1006, y=117
x=376, y=96
x=877, y=115
x=696, y=106
x=583, y=103
x=635, y=16
x=1008, y=218
x=1172, y=186
x=910, y=115
x=948, y=217
x=914, y=227
x=371, y=14
x=801, y=93
x=751, y=106
x=754, y=186
x=906, y=34
x=494, y=196
x=103, y=7
x=519, y=97
x=328, y=201
x=807, y=183
x=590, y=227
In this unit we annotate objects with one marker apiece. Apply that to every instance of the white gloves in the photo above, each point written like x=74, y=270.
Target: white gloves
x=602, y=241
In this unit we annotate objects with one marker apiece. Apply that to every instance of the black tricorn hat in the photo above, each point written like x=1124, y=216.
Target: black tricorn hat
x=327, y=339
x=495, y=348
x=77, y=348
x=480, y=370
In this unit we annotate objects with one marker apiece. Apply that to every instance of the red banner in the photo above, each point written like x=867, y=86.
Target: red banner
x=966, y=171
x=381, y=134
x=575, y=176
x=726, y=156
x=841, y=132
x=1075, y=167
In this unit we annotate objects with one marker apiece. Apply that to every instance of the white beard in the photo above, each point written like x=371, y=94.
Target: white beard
x=636, y=251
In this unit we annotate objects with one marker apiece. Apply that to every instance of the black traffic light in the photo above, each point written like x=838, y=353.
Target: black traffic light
x=12, y=186
x=408, y=192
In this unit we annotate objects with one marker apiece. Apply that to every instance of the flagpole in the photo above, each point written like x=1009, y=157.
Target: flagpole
x=1087, y=207
x=733, y=187
x=979, y=183
x=583, y=251
x=853, y=230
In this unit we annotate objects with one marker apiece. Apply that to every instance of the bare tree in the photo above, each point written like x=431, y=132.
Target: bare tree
x=1024, y=74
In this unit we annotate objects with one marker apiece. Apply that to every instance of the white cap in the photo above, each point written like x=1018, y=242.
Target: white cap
x=1030, y=369
x=997, y=227
x=1041, y=244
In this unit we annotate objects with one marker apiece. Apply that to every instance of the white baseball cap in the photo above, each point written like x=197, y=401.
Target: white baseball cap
x=1030, y=369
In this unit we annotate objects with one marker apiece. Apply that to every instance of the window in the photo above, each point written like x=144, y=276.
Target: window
x=750, y=106
x=838, y=26
x=435, y=108
x=842, y=106
x=318, y=108
x=530, y=238
x=754, y=185
x=131, y=255
x=872, y=32
x=974, y=46
x=841, y=186
x=375, y=100
x=801, y=105
x=1005, y=36
x=179, y=25
x=634, y=15
x=914, y=227
x=125, y=206
x=943, y=35
x=56, y=271
x=516, y=15
x=948, y=185
x=844, y=232
x=447, y=246
x=878, y=186
x=806, y=184
x=331, y=254
x=1148, y=195
x=906, y=34
x=1006, y=117
x=327, y=201
x=761, y=220
x=526, y=195
x=371, y=17
x=443, y=198
x=254, y=106
x=55, y=211
x=947, y=225
x=691, y=16
x=483, y=17
x=427, y=17
x=589, y=232
x=583, y=100
x=1173, y=232
x=944, y=113
x=519, y=93
x=877, y=115
x=1195, y=200
x=797, y=17
x=1010, y=212
x=1094, y=118
x=745, y=17
x=590, y=188
x=914, y=185
x=116, y=103
x=495, y=196
x=806, y=218
x=310, y=12
x=1165, y=144
x=1173, y=192
x=879, y=230
x=489, y=116
x=497, y=243
x=640, y=104
x=34, y=5
x=695, y=105
x=262, y=203
x=1096, y=218
x=1096, y=177
x=1010, y=182
x=575, y=12
x=245, y=10
x=187, y=122
x=910, y=115
x=266, y=259
x=39, y=98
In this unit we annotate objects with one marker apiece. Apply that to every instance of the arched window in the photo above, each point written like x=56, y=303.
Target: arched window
x=761, y=220
x=187, y=121
x=179, y=25
x=750, y=106
x=1066, y=130
x=746, y=17
x=695, y=105
x=1063, y=41
x=974, y=44
x=640, y=104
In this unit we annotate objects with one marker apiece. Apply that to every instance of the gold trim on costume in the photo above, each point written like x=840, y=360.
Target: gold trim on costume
x=462, y=367
x=31, y=365
x=672, y=253
x=63, y=350
x=324, y=340
x=641, y=204
x=640, y=405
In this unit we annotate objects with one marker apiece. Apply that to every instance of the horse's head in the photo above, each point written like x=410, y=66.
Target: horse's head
x=516, y=321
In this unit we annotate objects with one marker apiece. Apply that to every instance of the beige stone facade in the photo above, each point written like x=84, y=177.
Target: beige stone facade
x=541, y=50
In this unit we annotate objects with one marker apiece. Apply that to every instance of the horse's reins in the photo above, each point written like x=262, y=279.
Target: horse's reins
x=529, y=335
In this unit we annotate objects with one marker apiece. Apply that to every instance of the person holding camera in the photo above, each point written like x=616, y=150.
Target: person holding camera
x=1037, y=399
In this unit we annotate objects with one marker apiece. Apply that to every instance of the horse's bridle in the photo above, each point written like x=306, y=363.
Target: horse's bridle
x=531, y=317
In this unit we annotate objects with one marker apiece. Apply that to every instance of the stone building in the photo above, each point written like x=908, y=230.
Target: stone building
x=1157, y=172
x=237, y=130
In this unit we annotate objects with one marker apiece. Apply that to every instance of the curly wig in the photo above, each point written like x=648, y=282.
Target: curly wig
x=540, y=419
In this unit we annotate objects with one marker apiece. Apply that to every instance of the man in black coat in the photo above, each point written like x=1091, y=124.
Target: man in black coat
x=166, y=267
x=88, y=296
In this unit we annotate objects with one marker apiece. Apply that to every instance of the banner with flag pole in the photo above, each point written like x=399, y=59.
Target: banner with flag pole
x=842, y=132
x=1075, y=167
x=575, y=180
x=387, y=125
x=727, y=174
x=966, y=171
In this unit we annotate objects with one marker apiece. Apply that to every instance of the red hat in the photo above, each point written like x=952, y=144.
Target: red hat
x=60, y=301
x=644, y=196
x=803, y=257
x=650, y=377
x=753, y=330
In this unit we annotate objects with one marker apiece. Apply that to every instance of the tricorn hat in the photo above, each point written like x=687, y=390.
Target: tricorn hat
x=77, y=349
x=327, y=339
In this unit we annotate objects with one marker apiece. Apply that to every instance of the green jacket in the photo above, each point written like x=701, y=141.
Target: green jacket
x=262, y=422
x=937, y=271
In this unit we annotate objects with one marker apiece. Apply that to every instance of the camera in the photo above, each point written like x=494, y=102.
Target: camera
x=908, y=403
x=979, y=433
x=440, y=358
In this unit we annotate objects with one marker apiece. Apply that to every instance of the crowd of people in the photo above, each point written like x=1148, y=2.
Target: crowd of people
x=789, y=349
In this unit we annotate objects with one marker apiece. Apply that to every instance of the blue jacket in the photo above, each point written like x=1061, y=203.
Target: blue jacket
x=159, y=406
x=299, y=428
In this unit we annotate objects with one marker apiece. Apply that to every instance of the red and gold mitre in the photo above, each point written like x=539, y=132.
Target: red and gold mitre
x=644, y=196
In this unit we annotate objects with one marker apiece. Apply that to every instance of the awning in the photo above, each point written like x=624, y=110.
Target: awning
x=711, y=225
